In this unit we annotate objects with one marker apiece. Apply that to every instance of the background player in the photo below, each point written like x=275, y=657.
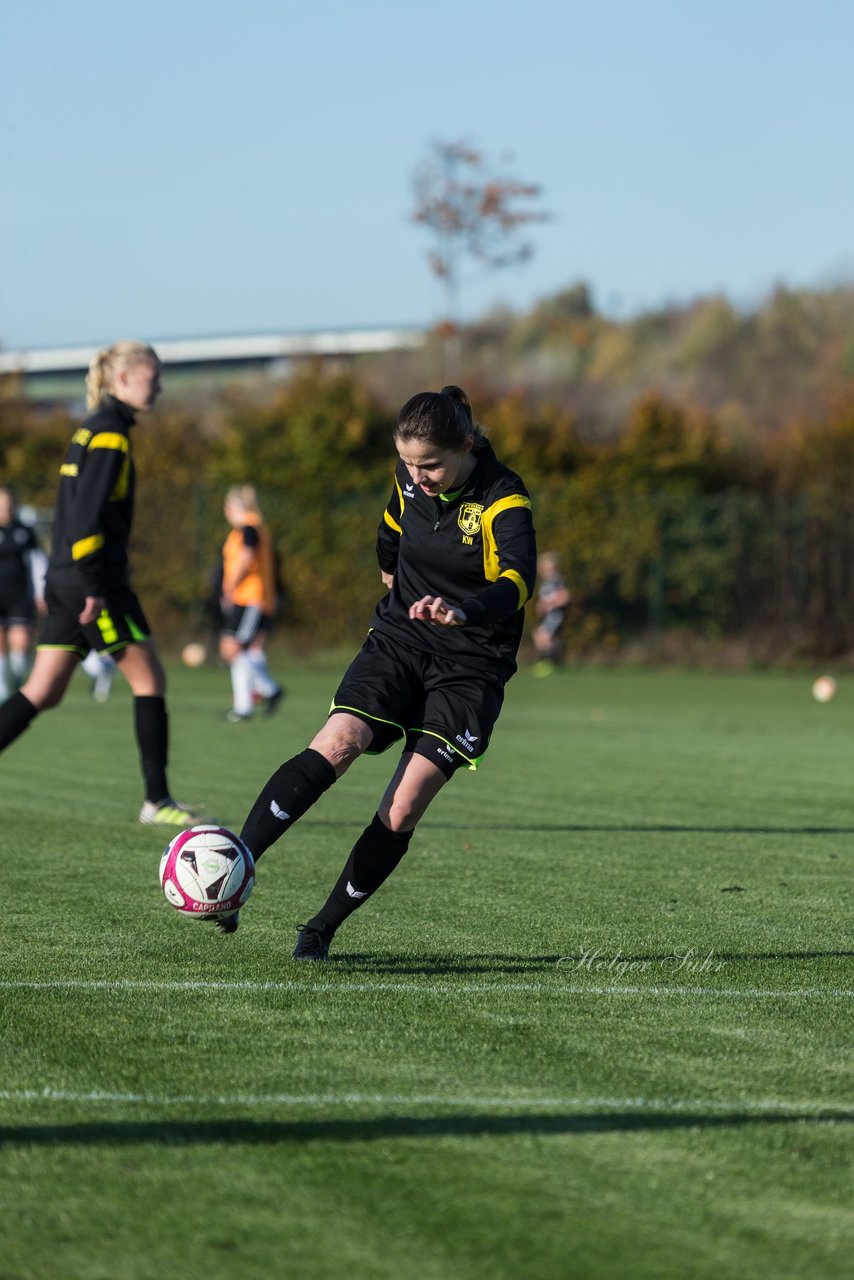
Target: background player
x=456, y=548
x=22, y=565
x=552, y=602
x=248, y=604
x=90, y=604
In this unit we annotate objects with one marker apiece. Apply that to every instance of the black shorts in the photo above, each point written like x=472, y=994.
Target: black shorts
x=122, y=621
x=443, y=710
x=17, y=609
x=244, y=621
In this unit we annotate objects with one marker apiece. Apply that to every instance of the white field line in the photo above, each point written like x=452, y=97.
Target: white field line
x=425, y=988
x=482, y=1102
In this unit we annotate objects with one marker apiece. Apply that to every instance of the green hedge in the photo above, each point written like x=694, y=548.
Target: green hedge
x=673, y=526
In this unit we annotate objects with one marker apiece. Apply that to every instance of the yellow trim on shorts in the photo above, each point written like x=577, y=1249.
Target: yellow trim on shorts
x=366, y=715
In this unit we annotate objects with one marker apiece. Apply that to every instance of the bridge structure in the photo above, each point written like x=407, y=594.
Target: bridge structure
x=56, y=374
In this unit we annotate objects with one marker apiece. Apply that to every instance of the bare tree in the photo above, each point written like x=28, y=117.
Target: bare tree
x=472, y=212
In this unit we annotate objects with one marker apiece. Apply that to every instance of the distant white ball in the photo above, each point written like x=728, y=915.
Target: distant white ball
x=824, y=689
x=193, y=654
x=206, y=871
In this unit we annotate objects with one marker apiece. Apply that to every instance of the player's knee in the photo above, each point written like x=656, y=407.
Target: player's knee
x=401, y=813
x=46, y=697
x=342, y=748
x=342, y=740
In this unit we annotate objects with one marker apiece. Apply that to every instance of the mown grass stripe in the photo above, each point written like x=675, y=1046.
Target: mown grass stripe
x=490, y=1102
x=418, y=988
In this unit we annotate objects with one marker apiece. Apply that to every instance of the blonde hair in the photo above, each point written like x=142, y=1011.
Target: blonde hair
x=107, y=363
x=245, y=496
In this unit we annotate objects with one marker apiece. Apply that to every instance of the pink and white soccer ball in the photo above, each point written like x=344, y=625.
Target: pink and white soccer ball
x=207, y=871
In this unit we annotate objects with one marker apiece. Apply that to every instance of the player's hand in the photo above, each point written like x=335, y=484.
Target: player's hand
x=434, y=610
x=92, y=608
x=388, y=579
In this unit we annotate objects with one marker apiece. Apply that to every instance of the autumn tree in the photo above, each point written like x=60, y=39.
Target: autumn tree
x=473, y=212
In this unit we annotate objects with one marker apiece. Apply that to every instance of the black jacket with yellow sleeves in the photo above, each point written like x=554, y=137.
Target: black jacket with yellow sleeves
x=476, y=548
x=94, y=505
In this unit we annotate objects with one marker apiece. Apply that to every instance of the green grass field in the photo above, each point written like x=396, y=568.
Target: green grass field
x=598, y=1024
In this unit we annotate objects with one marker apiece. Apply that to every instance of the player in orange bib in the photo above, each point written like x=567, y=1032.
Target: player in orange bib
x=248, y=605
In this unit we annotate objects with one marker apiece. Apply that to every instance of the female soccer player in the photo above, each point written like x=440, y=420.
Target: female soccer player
x=248, y=604
x=90, y=604
x=456, y=549
x=21, y=579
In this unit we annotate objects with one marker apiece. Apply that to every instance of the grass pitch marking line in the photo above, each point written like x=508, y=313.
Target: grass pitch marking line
x=417, y=988
x=488, y=1103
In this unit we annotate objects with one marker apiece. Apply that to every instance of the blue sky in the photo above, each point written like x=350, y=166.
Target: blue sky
x=216, y=168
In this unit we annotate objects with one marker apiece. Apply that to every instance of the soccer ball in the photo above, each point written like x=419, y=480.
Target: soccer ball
x=824, y=689
x=207, y=871
x=194, y=654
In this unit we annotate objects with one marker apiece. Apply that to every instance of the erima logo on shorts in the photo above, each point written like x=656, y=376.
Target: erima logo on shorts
x=468, y=741
x=277, y=812
x=446, y=755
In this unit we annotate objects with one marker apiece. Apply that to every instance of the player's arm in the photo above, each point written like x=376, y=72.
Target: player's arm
x=388, y=535
x=37, y=565
x=557, y=599
x=512, y=555
x=106, y=458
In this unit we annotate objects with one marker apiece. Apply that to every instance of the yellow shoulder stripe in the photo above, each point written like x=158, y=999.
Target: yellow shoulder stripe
x=109, y=440
x=504, y=504
x=519, y=583
x=68, y=469
x=391, y=522
x=87, y=546
x=491, y=564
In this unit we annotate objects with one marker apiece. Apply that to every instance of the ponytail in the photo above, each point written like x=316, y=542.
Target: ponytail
x=106, y=364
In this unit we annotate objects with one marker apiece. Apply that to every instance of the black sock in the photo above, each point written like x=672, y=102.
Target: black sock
x=292, y=790
x=16, y=714
x=373, y=858
x=151, y=724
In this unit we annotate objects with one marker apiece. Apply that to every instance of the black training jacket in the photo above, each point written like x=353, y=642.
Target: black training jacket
x=94, y=505
x=475, y=548
x=17, y=540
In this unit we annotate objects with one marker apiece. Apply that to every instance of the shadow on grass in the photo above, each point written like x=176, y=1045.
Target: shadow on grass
x=637, y=828
x=180, y=1133
x=501, y=965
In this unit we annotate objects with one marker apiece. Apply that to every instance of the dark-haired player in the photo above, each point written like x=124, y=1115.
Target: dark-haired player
x=456, y=549
x=21, y=570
